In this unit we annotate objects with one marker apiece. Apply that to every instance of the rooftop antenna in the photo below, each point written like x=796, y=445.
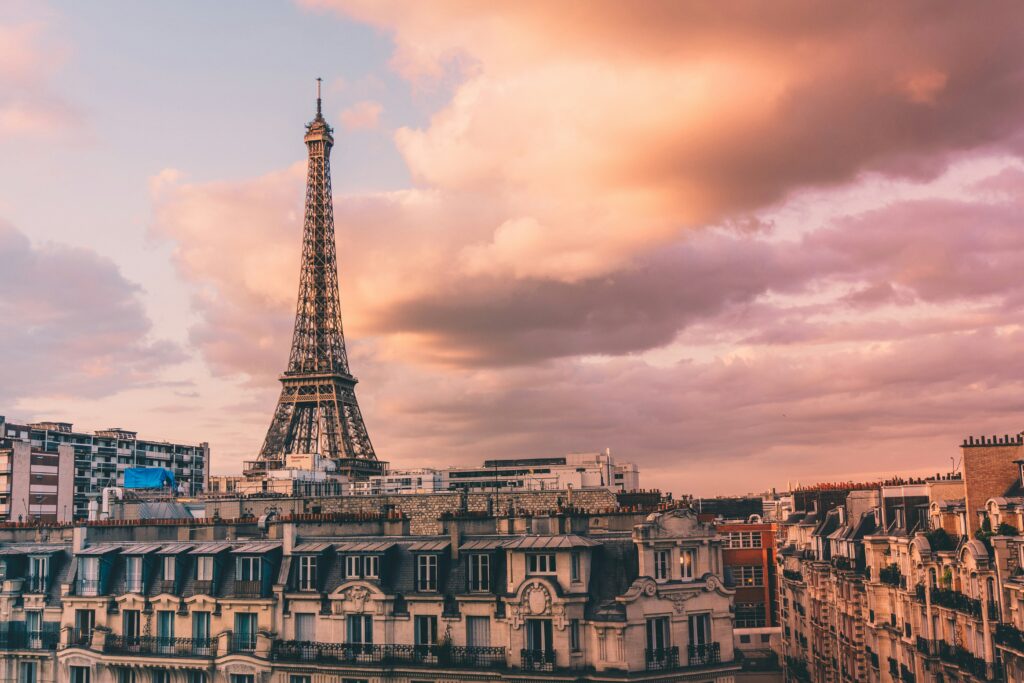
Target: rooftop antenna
x=318, y=96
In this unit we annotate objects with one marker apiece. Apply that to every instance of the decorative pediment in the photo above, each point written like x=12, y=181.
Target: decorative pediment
x=536, y=598
x=354, y=597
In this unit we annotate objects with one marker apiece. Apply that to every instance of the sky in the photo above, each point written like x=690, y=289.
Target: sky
x=743, y=246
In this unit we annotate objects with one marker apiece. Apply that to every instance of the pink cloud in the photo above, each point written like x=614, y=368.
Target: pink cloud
x=364, y=115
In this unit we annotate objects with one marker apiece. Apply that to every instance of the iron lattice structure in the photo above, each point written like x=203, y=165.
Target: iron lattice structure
x=317, y=411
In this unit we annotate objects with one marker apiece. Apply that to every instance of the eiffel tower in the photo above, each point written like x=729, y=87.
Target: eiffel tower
x=317, y=412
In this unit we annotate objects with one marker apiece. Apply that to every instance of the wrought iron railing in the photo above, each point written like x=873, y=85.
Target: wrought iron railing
x=81, y=637
x=88, y=586
x=29, y=640
x=662, y=658
x=702, y=655
x=243, y=642
x=537, y=660
x=160, y=646
x=368, y=653
x=956, y=600
x=963, y=658
x=34, y=584
x=1008, y=635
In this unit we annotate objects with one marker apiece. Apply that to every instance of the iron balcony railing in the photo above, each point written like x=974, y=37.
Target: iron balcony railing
x=368, y=653
x=1010, y=636
x=34, y=584
x=956, y=600
x=160, y=646
x=537, y=660
x=88, y=586
x=702, y=655
x=29, y=640
x=662, y=658
x=963, y=658
x=248, y=589
x=243, y=642
x=81, y=637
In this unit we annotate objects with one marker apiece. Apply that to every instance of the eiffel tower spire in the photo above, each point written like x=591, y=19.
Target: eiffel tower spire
x=317, y=411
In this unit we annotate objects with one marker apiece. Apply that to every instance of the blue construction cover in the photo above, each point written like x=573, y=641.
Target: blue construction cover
x=148, y=478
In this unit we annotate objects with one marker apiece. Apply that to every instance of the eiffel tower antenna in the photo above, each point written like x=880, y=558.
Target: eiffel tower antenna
x=317, y=412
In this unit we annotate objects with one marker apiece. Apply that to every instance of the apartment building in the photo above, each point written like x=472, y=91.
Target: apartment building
x=35, y=485
x=910, y=580
x=748, y=551
x=99, y=460
x=333, y=599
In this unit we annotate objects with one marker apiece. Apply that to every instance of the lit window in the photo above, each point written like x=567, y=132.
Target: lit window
x=687, y=564
x=749, y=576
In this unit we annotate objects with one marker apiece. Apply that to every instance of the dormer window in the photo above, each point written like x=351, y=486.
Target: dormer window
x=353, y=566
x=479, y=573
x=540, y=563
x=248, y=569
x=169, y=567
x=133, y=574
x=661, y=565
x=88, y=575
x=204, y=568
x=426, y=573
x=371, y=566
x=307, y=573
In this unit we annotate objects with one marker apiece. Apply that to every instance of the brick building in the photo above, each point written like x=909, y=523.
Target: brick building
x=748, y=552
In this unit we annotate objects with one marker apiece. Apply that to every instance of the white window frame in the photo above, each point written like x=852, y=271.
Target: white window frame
x=662, y=562
x=249, y=568
x=479, y=573
x=371, y=566
x=307, y=573
x=749, y=576
x=353, y=566
x=541, y=564
x=426, y=573
x=170, y=567
x=133, y=573
x=204, y=568
x=687, y=567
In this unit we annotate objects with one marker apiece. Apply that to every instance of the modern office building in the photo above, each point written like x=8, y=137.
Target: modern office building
x=97, y=461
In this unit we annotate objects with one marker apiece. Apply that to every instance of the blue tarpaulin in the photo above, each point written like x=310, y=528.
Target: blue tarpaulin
x=148, y=478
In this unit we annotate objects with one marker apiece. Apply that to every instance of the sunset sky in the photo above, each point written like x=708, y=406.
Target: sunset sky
x=739, y=244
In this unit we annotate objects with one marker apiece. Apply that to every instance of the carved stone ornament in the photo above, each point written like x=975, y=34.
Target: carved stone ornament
x=679, y=601
x=713, y=583
x=536, y=599
x=355, y=598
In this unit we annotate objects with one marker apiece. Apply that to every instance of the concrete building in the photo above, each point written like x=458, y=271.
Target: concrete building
x=99, y=459
x=336, y=599
x=576, y=470
x=34, y=484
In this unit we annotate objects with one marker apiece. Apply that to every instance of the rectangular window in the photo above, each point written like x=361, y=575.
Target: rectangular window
x=27, y=672
x=204, y=568
x=133, y=574
x=743, y=539
x=196, y=677
x=659, y=636
x=360, y=629
x=169, y=567
x=88, y=575
x=249, y=568
x=749, y=576
x=305, y=627
x=426, y=630
x=478, y=631
x=479, y=573
x=127, y=676
x=165, y=630
x=661, y=564
x=353, y=566
x=38, y=571
x=85, y=621
x=538, y=636
x=130, y=624
x=201, y=627
x=307, y=573
x=687, y=563
x=574, y=567
x=245, y=632
x=426, y=573
x=700, y=630
x=574, y=635
x=243, y=678
x=540, y=563
x=371, y=566
x=161, y=676
x=298, y=678
x=750, y=615
x=80, y=674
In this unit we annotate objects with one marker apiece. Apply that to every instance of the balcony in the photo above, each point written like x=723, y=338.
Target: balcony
x=792, y=575
x=413, y=655
x=662, y=659
x=704, y=655
x=34, y=584
x=248, y=589
x=537, y=660
x=926, y=647
x=955, y=600
x=891, y=576
x=1010, y=637
x=160, y=647
x=29, y=640
x=88, y=587
x=958, y=656
x=243, y=642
